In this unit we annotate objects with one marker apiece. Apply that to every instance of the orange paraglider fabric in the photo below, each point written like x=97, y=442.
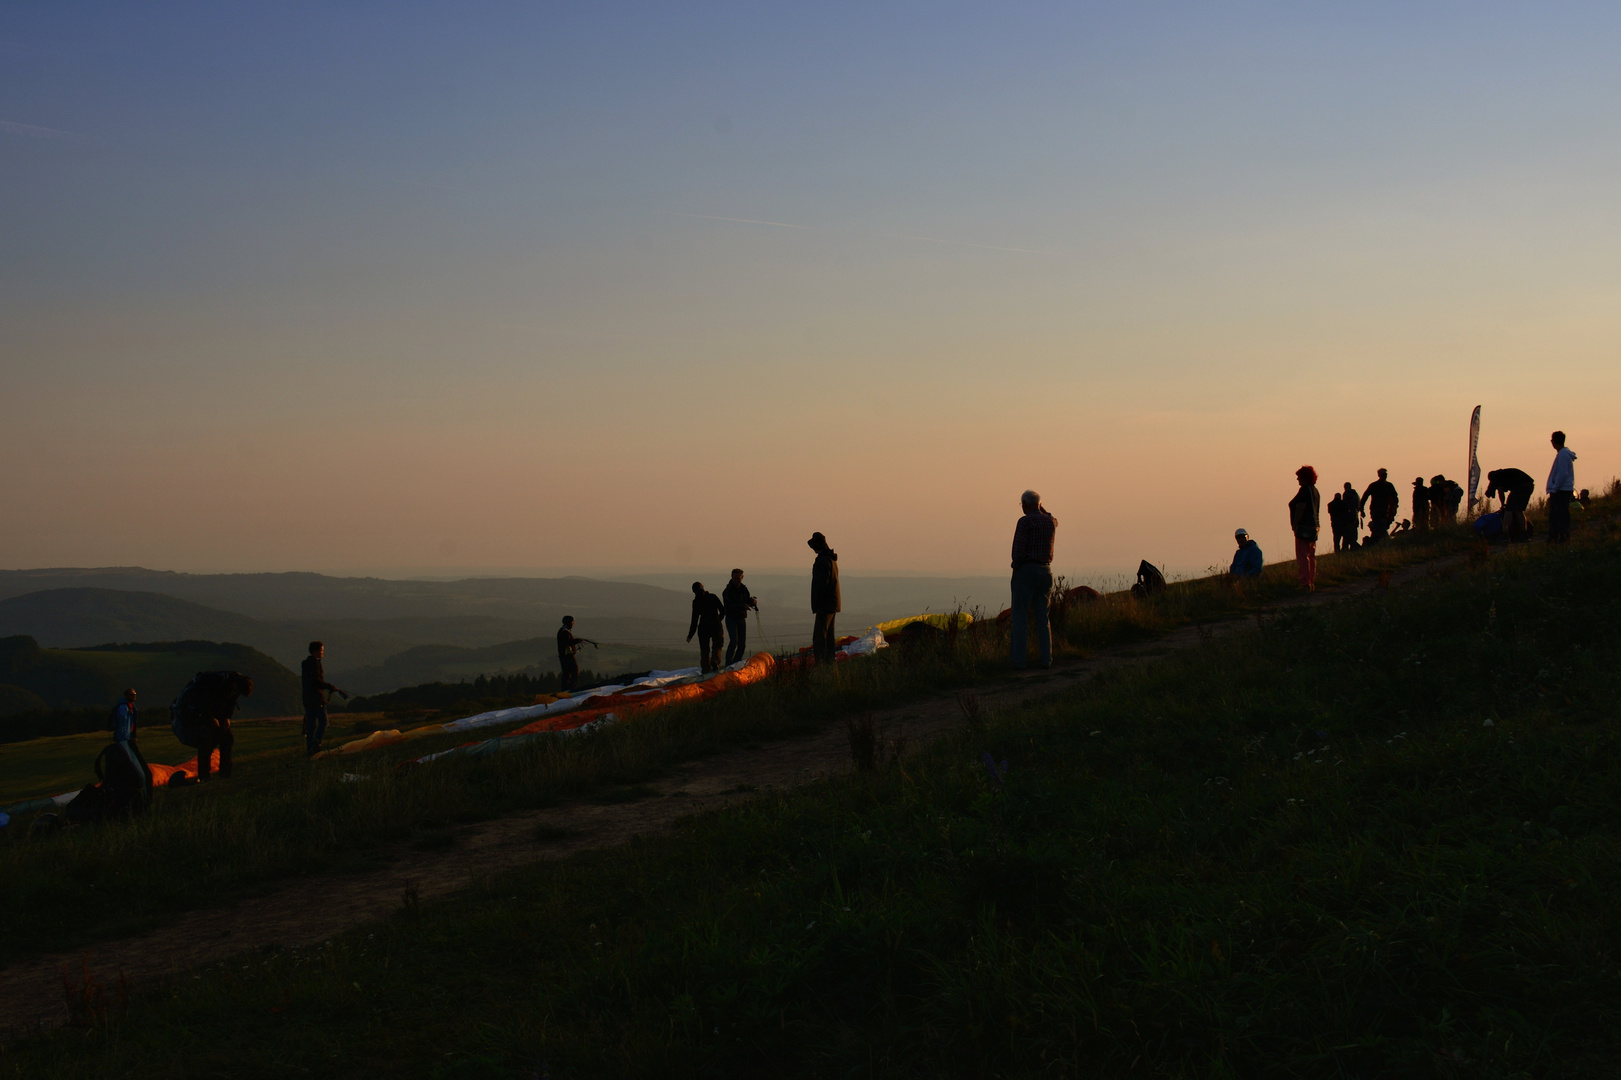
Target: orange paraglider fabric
x=161, y=774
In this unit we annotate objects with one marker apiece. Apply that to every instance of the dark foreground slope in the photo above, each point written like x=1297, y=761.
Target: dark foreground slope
x=1298, y=851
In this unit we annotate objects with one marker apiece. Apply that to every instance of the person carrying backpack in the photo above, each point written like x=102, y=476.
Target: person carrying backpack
x=201, y=717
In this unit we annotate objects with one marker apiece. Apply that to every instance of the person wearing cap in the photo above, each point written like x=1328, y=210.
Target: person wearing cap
x=1421, y=505
x=826, y=600
x=1247, y=560
x=708, y=613
x=1305, y=511
x=1032, y=582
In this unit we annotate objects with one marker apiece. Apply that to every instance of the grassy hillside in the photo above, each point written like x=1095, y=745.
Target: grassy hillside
x=50, y=766
x=1299, y=850
x=75, y=678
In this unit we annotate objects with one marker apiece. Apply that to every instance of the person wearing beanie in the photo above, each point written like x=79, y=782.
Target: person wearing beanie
x=1305, y=515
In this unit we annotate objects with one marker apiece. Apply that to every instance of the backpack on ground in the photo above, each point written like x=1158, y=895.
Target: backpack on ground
x=1149, y=580
x=124, y=786
x=1489, y=526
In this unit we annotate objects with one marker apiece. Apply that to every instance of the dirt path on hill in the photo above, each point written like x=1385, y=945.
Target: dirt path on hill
x=31, y=991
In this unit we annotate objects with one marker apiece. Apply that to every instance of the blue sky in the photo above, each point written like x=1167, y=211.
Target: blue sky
x=594, y=286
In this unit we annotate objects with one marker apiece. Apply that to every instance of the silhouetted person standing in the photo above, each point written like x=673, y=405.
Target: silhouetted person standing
x=1515, y=487
x=1351, y=507
x=1336, y=519
x=708, y=613
x=1305, y=519
x=1032, y=582
x=1421, y=505
x=1561, y=489
x=737, y=602
x=826, y=599
x=567, y=646
x=315, y=690
x=1385, y=503
x=1440, y=491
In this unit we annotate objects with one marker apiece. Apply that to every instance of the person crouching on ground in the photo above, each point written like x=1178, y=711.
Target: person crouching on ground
x=707, y=615
x=737, y=601
x=1305, y=517
x=1247, y=560
x=1032, y=582
x=316, y=688
x=826, y=599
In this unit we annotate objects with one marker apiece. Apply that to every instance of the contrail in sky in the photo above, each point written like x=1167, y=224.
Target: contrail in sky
x=891, y=236
x=965, y=243
x=748, y=221
x=34, y=131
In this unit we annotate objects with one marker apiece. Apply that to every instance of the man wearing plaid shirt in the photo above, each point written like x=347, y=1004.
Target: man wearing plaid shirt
x=1032, y=578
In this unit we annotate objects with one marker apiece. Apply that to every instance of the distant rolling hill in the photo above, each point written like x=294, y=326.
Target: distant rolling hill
x=34, y=678
x=446, y=663
x=76, y=617
x=535, y=601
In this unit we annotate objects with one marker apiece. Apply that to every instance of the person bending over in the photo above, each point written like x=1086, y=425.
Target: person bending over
x=707, y=615
x=202, y=717
x=1515, y=488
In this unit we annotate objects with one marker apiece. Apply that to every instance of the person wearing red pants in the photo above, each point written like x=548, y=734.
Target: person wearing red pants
x=1304, y=517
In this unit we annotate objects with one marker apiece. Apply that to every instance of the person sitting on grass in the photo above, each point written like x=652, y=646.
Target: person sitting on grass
x=1247, y=560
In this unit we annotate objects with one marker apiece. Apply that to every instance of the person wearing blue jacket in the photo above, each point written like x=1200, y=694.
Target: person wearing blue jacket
x=124, y=718
x=1247, y=560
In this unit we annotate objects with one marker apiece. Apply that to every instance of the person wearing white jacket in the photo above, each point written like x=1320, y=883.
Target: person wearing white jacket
x=1561, y=489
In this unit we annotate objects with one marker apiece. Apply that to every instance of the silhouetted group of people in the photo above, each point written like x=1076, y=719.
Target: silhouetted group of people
x=714, y=615
x=1435, y=503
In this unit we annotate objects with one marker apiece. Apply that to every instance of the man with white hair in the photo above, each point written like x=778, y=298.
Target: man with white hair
x=1032, y=578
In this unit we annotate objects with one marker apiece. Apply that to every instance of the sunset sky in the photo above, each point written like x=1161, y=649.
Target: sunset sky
x=450, y=288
